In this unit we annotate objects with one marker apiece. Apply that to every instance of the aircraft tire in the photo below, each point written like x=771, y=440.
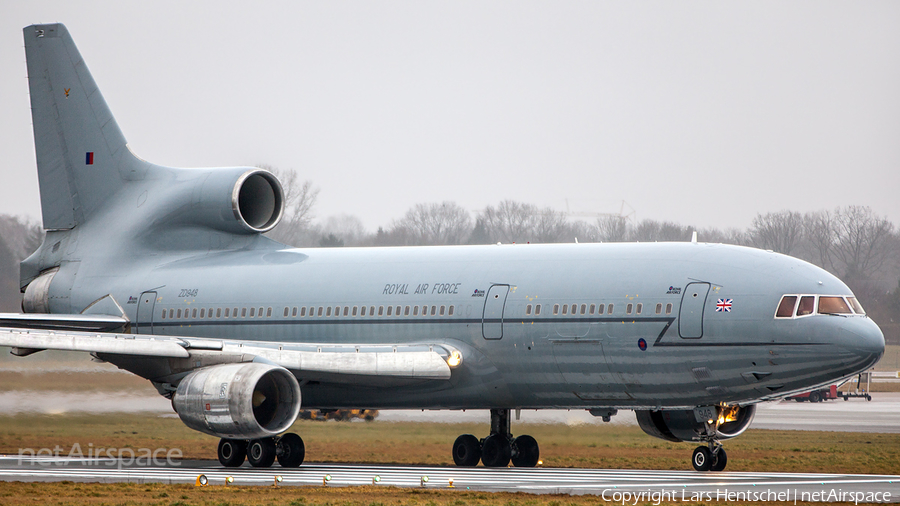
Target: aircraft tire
x=231, y=452
x=495, y=451
x=261, y=452
x=290, y=450
x=466, y=451
x=720, y=460
x=701, y=459
x=525, y=451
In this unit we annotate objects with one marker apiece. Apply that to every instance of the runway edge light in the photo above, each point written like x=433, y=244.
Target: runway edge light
x=202, y=481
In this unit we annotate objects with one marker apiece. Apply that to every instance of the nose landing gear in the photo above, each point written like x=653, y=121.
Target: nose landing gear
x=499, y=448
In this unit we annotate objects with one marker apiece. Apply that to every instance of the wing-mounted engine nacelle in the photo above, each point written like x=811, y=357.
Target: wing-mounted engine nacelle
x=690, y=425
x=239, y=401
x=238, y=200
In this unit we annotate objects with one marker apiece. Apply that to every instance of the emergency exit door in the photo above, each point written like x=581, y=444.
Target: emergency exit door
x=492, y=319
x=690, y=316
x=146, y=304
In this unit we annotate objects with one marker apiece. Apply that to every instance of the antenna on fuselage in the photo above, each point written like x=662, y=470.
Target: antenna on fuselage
x=694, y=236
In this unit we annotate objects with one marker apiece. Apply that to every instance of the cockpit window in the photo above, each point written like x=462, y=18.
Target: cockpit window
x=786, y=307
x=833, y=305
x=857, y=307
x=792, y=306
x=807, y=305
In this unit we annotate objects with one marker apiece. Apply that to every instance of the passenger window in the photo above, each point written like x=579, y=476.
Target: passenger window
x=319, y=312
x=640, y=307
x=303, y=311
x=600, y=309
x=593, y=307
x=433, y=310
x=381, y=310
x=857, y=307
x=807, y=305
x=355, y=310
x=164, y=314
x=219, y=312
x=537, y=309
x=328, y=311
x=786, y=306
x=450, y=313
x=406, y=311
x=833, y=305
x=659, y=308
x=442, y=310
x=390, y=309
x=243, y=312
x=628, y=308
x=528, y=309
x=362, y=310
x=269, y=312
x=610, y=310
x=424, y=310
x=583, y=308
x=179, y=314
x=294, y=312
x=234, y=312
x=337, y=311
x=565, y=309
x=555, y=309
x=371, y=310
x=203, y=313
x=253, y=312
x=415, y=310
x=668, y=308
x=574, y=308
x=285, y=311
x=397, y=310
x=347, y=309
x=226, y=312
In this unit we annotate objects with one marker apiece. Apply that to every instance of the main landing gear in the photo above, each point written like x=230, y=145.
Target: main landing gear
x=287, y=449
x=499, y=448
x=709, y=458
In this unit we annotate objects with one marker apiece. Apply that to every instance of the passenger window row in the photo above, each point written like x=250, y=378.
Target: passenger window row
x=599, y=309
x=318, y=311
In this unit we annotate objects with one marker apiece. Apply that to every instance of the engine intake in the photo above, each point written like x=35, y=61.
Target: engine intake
x=258, y=200
x=682, y=425
x=239, y=401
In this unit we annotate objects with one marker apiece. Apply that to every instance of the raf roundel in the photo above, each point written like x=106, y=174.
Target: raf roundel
x=642, y=344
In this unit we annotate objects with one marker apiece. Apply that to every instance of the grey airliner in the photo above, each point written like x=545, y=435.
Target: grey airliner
x=165, y=272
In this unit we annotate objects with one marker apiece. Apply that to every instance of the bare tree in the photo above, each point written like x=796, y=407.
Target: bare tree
x=612, y=229
x=347, y=228
x=781, y=231
x=510, y=221
x=819, y=231
x=863, y=241
x=299, y=200
x=433, y=224
x=653, y=231
x=550, y=226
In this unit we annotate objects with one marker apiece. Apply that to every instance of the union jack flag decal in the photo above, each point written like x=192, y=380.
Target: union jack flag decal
x=723, y=306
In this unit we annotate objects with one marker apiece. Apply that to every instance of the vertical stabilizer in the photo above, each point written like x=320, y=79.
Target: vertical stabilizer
x=81, y=154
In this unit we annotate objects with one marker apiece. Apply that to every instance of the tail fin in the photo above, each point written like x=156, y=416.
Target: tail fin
x=82, y=157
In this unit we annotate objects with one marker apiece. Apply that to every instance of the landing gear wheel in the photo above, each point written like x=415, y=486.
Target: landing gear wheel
x=815, y=397
x=231, y=452
x=261, y=452
x=290, y=450
x=720, y=459
x=495, y=451
x=466, y=451
x=525, y=452
x=702, y=459
x=868, y=397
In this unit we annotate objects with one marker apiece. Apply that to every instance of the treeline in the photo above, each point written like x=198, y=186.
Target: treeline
x=18, y=239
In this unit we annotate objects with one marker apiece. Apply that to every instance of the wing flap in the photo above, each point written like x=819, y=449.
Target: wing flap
x=119, y=344
x=65, y=322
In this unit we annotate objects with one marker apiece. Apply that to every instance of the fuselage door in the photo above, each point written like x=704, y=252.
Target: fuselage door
x=690, y=316
x=492, y=320
x=144, y=321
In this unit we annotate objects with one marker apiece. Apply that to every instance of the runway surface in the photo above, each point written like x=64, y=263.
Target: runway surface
x=608, y=484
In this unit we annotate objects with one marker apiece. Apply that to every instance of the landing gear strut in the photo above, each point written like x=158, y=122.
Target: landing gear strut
x=709, y=458
x=288, y=449
x=499, y=448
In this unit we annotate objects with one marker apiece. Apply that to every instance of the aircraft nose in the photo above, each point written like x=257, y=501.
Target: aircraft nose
x=864, y=338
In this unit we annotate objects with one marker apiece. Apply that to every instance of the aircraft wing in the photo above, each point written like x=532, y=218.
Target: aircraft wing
x=343, y=363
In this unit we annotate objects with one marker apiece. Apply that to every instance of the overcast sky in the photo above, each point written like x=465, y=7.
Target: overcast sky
x=704, y=113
